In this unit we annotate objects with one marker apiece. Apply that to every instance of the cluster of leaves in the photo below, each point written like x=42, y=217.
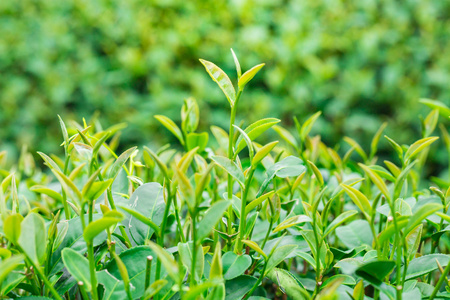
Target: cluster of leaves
x=128, y=58
x=291, y=219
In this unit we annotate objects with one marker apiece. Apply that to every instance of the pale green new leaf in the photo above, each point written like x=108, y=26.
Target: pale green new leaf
x=221, y=79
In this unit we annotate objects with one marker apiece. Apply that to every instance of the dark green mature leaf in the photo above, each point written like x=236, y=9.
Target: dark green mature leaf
x=72, y=239
x=288, y=167
x=347, y=280
x=135, y=260
x=420, y=215
x=114, y=288
x=33, y=238
x=147, y=200
x=235, y=265
x=78, y=266
x=355, y=234
x=236, y=288
x=375, y=271
x=211, y=218
x=425, y=264
x=289, y=284
x=221, y=79
x=280, y=254
x=339, y=220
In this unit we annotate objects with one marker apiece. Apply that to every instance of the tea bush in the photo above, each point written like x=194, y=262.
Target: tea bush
x=360, y=62
x=290, y=219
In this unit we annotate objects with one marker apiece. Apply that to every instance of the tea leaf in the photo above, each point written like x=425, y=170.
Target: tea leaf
x=120, y=161
x=375, y=271
x=190, y=115
x=199, y=140
x=78, y=266
x=12, y=227
x=231, y=168
x=286, y=135
x=433, y=104
x=255, y=130
x=216, y=264
x=236, y=63
x=221, y=79
x=307, y=126
x=338, y=221
x=425, y=264
x=167, y=260
x=33, y=238
x=280, y=254
x=359, y=199
x=292, y=221
x=289, y=284
x=9, y=264
x=235, y=265
x=262, y=153
x=247, y=76
x=420, y=215
x=316, y=172
x=418, y=146
x=47, y=191
x=96, y=227
x=211, y=218
x=186, y=251
x=376, y=179
x=255, y=247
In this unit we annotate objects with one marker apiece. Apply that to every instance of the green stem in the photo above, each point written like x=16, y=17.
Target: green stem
x=91, y=258
x=46, y=282
x=267, y=234
x=440, y=281
x=161, y=234
x=194, y=252
x=84, y=295
x=122, y=230
x=230, y=156
x=243, y=222
x=261, y=277
x=64, y=195
x=148, y=272
x=398, y=242
x=180, y=228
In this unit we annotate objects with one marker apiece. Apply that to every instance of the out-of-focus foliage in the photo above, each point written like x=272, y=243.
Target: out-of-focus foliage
x=360, y=62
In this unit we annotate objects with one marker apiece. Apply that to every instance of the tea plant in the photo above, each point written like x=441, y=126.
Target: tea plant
x=234, y=219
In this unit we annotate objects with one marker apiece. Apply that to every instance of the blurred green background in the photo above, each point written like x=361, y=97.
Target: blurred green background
x=361, y=62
